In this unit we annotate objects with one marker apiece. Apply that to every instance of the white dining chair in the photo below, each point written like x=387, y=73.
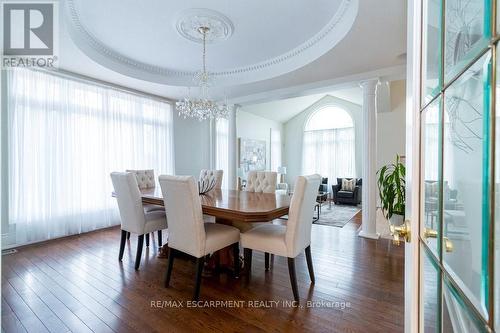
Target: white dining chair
x=146, y=180
x=261, y=181
x=187, y=231
x=133, y=217
x=290, y=239
x=207, y=174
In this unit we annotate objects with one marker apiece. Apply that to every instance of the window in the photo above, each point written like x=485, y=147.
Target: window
x=221, y=149
x=65, y=138
x=328, y=147
x=275, y=149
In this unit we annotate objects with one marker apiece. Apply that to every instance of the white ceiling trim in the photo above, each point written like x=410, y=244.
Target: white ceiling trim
x=319, y=44
x=320, y=87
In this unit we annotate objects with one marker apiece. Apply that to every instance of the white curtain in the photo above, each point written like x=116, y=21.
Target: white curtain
x=329, y=153
x=65, y=138
x=275, y=149
x=221, y=148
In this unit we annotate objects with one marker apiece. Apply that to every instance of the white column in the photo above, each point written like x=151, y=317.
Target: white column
x=233, y=142
x=369, y=187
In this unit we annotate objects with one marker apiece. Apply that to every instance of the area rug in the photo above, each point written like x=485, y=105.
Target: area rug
x=336, y=215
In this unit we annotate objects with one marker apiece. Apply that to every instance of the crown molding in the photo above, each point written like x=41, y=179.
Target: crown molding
x=336, y=29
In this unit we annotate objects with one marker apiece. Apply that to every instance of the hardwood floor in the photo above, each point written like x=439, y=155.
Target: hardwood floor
x=77, y=284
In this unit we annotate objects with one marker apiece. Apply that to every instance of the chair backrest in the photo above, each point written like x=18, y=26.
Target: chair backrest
x=129, y=201
x=186, y=231
x=359, y=181
x=300, y=215
x=261, y=181
x=218, y=174
x=145, y=178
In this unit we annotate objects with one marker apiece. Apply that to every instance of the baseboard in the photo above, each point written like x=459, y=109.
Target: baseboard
x=369, y=235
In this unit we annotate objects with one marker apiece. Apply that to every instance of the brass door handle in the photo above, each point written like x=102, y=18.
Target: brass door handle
x=448, y=245
x=431, y=233
x=401, y=232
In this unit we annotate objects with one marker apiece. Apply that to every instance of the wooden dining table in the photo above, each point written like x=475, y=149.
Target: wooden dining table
x=233, y=205
x=228, y=206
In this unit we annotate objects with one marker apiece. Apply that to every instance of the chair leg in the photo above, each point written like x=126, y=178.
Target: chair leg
x=170, y=265
x=199, y=270
x=310, y=264
x=266, y=260
x=293, y=278
x=236, y=255
x=159, y=239
x=122, y=244
x=247, y=256
x=128, y=235
x=140, y=244
x=147, y=240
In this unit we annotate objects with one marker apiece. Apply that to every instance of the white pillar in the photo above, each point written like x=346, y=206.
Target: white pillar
x=233, y=142
x=369, y=187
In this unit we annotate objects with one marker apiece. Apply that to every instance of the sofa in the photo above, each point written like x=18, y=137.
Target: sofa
x=341, y=196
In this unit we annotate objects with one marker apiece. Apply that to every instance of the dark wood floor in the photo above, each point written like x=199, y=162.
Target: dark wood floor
x=77, y=284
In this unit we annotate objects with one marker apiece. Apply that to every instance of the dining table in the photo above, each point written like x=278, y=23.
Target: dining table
x=228, y=206
x=232, y=205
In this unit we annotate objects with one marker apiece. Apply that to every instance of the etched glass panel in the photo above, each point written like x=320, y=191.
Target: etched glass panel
x=465, y=190
x=430, y=293
x=431, y=178
x=458, y=317
x=467, y=29
x=431, y=53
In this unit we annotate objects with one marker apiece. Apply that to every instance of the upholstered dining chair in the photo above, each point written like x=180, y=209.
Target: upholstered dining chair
x=187, y=231
x=205, y=175
x=133, y=217
x=218, y=174
x=146, y=180
x=261, y=181
x=290, y=239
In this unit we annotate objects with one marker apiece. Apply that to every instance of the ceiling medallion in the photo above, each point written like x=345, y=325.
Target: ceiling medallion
x=220, y=27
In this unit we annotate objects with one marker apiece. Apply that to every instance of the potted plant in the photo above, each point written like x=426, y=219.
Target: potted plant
x=391, y=186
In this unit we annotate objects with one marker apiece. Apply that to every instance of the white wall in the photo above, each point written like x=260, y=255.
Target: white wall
x=250, y=126
x=391, y=126
x=192, y=145
x=294, y=132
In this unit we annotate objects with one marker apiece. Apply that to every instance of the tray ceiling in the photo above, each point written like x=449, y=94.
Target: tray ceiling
x=257, y=39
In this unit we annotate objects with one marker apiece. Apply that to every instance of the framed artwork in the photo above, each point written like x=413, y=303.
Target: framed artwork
x=252, y=154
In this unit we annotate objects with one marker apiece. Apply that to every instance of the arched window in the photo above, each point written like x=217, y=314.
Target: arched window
x=330, y=117
x=329, y=148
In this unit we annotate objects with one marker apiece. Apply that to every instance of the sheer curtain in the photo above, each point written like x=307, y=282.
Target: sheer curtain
x=221, y=148
x=275, y=149
x=65, y=137
x=329, y=152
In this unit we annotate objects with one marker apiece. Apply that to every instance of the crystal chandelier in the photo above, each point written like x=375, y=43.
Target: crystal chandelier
x=204, y=107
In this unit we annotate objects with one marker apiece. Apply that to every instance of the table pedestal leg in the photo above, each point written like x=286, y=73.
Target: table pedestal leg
x=224, y=258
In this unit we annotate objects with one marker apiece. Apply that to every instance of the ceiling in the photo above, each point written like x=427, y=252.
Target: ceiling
x=248, y=42
x=285, y=109
x=148, y=34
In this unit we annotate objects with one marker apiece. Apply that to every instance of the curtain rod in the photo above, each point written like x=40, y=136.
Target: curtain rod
x=87, y=79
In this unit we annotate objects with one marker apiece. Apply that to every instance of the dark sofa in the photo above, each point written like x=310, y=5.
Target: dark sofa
x=346, y=197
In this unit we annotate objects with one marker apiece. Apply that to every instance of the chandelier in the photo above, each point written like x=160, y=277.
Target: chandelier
x=204, y=107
